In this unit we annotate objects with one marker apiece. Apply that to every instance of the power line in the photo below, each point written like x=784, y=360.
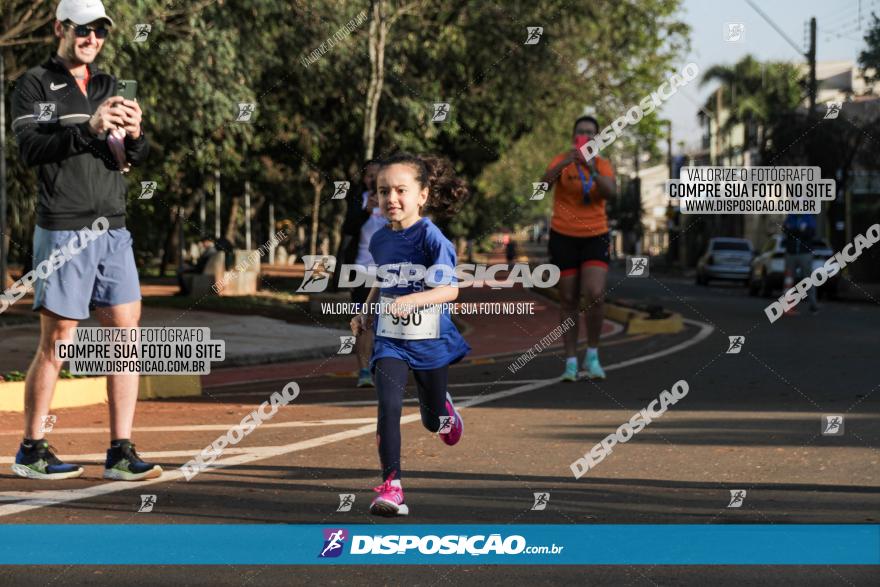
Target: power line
x=775, y=27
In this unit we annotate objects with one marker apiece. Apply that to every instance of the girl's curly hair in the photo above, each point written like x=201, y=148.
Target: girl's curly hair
x=446, y=192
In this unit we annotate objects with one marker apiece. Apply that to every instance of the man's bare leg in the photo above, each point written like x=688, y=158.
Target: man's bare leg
x=122, y=388
x=39, y=387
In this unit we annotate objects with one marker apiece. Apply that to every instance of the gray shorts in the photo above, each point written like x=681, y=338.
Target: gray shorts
x=102, y=273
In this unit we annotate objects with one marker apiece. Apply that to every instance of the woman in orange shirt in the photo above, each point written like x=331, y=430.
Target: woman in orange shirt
x=579, y=241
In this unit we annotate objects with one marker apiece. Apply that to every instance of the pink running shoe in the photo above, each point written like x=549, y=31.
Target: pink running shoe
x=454, y=435
x=389, y=502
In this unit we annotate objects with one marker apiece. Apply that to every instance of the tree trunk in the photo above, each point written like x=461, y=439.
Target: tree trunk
x=232, y=223
x=317, y=182
x=171, y=247
x=376, y=45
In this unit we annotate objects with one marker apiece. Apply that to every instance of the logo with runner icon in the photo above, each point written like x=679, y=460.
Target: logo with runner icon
x=46, y=111
x=832, y=425
x=736, y=344
x=539, y=190
x=542, y=498
x=737, y=497
x=340, y=190
x=141, y=32
x=832, y=110
x=441, y=112
x=334, y=542
x=346, y=345
x=245, y=111
x=317, y=275
x=637, y=267
x=148, y=502
x=346, y=500
x=534, y=35
x=148, y=188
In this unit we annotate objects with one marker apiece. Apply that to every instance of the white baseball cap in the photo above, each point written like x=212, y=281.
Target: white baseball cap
x=82, y=11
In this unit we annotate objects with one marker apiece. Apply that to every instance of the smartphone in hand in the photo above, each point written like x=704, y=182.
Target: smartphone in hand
x=127, y=88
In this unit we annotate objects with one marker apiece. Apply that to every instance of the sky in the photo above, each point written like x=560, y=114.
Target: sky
x=838, y=38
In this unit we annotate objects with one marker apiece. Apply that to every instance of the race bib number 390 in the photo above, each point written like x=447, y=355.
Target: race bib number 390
x=418, y=325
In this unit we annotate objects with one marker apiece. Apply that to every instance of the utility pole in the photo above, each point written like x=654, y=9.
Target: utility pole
x=271, y=232
x=811, y=59
x=247, y=215
x=2, y=172
x=203, y=212
x=217, y=203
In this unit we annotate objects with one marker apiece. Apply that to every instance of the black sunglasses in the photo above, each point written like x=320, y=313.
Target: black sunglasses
x=84, y=30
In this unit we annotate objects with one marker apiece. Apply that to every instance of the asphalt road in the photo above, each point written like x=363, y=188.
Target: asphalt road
x=751, y=421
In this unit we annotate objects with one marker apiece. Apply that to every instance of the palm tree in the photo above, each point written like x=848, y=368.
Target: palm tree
x=756, y=93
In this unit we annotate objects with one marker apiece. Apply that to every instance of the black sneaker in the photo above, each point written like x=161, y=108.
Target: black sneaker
x=39, y=462
x=124, y=464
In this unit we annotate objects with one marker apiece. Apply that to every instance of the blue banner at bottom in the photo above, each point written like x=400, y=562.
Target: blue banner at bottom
x=255, y=544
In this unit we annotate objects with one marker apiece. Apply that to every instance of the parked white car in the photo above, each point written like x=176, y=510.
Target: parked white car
x=725, y=258
x=768, y=268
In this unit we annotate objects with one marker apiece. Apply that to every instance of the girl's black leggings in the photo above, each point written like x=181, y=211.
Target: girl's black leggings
x=391, y=376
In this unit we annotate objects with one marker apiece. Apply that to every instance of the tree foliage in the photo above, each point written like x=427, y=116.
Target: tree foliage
x=511, y=104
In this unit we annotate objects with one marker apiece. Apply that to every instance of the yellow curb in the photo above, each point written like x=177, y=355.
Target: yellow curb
x=165, y=386
x=670, y=325
x=618, y=314
x=69, y=393
x=638, y=322
x=75, y=393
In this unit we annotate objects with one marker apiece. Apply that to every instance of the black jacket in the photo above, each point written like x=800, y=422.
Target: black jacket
x=78, y=176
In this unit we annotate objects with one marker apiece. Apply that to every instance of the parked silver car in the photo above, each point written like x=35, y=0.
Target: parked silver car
x=725, y=258
x=768, y=268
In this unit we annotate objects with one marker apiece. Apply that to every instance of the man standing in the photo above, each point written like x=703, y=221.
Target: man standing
x=799, y=231
x=69, y=124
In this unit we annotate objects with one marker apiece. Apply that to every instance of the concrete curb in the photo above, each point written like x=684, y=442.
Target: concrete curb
x=640, y=322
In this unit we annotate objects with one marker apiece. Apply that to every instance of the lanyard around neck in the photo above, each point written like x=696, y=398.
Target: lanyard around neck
x=586, y=186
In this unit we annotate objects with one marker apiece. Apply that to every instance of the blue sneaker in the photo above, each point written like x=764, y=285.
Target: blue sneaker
x=124, y=464
x=594, y=369
x=365, y=378
x=571, y=371
x=39, y=462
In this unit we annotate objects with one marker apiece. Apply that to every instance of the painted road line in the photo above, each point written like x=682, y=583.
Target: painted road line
x=362, y=389
x=220, y=427
x=39, y=499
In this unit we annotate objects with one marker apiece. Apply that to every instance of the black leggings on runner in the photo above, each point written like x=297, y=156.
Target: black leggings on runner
x=391, y=378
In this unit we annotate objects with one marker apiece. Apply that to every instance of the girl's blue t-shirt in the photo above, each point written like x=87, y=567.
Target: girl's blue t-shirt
x=420, y=244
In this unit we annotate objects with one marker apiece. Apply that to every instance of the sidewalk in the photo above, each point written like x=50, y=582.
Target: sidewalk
x=249, y=340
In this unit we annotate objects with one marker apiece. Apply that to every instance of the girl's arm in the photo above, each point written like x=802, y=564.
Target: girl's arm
x=436, y=295
x=364, y=321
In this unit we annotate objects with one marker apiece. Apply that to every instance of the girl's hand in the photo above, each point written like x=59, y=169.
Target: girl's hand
x=402, y=307
x=361, y=323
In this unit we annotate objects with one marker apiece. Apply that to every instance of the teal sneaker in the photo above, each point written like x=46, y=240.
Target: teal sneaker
x=124, y=464
x=365, y=378
x=571, y=371
x=39, y=462
x=594, y=369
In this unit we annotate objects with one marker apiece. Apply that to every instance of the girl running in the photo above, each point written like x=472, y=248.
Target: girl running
x=409, y=338
x=579, y=243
